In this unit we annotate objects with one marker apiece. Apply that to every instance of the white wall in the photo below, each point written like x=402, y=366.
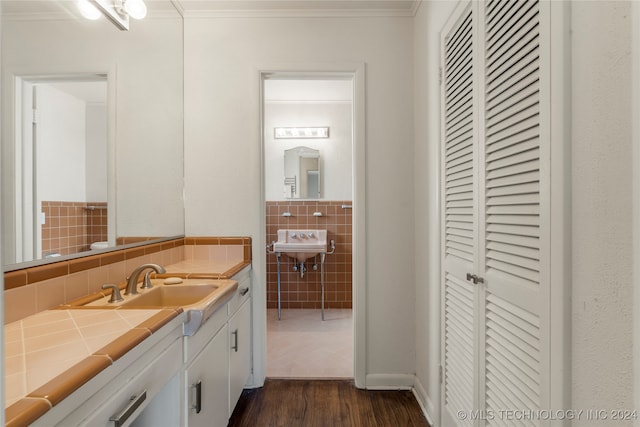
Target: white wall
x=60, y=146
x=96, y=138
x=335, y=151
x=72, y=147
x=430, y=18
x=602, y=362
x=223, y=166
x=635, y=111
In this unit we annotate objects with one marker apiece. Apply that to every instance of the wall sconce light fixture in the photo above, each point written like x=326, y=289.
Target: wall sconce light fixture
x=118, y=11
x=301, y=132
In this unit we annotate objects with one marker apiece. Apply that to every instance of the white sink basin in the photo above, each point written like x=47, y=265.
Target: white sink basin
x=301, y=244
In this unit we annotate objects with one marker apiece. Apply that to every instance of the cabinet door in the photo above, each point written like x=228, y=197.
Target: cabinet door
x=240, y=352
x=207, y=386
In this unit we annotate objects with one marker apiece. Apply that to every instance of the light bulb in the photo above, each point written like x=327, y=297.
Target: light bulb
x=135, y=8
x=88, y=10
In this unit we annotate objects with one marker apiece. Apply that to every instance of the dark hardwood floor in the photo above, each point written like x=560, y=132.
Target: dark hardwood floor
x=325, y=403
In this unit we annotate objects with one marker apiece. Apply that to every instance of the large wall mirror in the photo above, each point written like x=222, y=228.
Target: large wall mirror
x=100, y=162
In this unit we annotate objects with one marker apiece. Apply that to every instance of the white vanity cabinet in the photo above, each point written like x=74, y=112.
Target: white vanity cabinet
x=240, y=352
x=217, y=360
x=127, y=388
x=206, y=377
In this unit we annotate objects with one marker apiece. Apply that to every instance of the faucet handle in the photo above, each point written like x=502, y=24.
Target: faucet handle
x=115, y=292
x=146, y=283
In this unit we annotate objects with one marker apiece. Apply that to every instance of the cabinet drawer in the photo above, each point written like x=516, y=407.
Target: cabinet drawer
x=152, y=377
x=243, y=292
x=195, y=343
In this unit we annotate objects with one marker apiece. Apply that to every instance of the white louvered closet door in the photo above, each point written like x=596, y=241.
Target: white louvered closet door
x=496, y=313
x=516, y=213
x=460, y=228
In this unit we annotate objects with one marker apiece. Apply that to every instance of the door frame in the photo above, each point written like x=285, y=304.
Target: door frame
x=13, y=79
x=635, y=144
x=356, y=70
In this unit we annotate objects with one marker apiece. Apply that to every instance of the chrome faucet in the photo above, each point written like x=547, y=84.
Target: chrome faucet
x=132, y=281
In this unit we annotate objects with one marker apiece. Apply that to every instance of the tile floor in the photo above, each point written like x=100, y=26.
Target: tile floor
x=301, y=345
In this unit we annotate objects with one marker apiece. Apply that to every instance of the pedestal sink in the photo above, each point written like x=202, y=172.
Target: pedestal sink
x=301, y=244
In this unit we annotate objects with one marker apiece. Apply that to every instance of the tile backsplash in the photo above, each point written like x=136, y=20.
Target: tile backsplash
x=34, y=289
x=71, y=227
x=305, y=292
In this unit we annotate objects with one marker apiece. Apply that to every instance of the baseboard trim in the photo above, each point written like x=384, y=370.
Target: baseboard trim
x=390, y=381
x=423, y=400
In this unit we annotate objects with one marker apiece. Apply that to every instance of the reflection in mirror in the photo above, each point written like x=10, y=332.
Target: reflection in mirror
x=144, y=151
x=302, y=173
x=61, y=156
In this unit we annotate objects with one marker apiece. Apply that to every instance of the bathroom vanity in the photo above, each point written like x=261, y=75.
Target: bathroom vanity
x=151, y=373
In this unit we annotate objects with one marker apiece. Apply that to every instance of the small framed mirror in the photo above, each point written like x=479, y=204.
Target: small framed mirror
x=302, y=173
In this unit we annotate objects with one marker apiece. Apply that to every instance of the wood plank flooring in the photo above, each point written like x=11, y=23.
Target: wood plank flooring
x=325, y=403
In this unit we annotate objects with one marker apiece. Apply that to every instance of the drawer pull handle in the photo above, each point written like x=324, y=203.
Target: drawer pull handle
x=134, y=403
x=234, y=347
x=244, y=291
x=198, y=405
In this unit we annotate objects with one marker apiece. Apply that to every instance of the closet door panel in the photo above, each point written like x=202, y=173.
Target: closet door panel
x=496, y=266
x=459, y=234
x=514, y=219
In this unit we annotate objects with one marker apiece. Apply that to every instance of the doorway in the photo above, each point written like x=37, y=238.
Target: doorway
x=61, y=155
x=309, y=113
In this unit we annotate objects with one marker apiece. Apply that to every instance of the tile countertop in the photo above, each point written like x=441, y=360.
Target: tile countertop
x=218, y=270
x=51, y=354
x=46, y=346
x=41, y=347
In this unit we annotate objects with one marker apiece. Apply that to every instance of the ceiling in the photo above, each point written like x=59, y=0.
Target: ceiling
x=217, y=8
x=297, y=7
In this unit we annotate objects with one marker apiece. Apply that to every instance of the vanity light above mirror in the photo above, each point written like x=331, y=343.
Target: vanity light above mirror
x=117, y=11
x=300, y=132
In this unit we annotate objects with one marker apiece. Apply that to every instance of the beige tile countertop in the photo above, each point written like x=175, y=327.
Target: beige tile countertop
x=52, y=353
x=212, y=270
